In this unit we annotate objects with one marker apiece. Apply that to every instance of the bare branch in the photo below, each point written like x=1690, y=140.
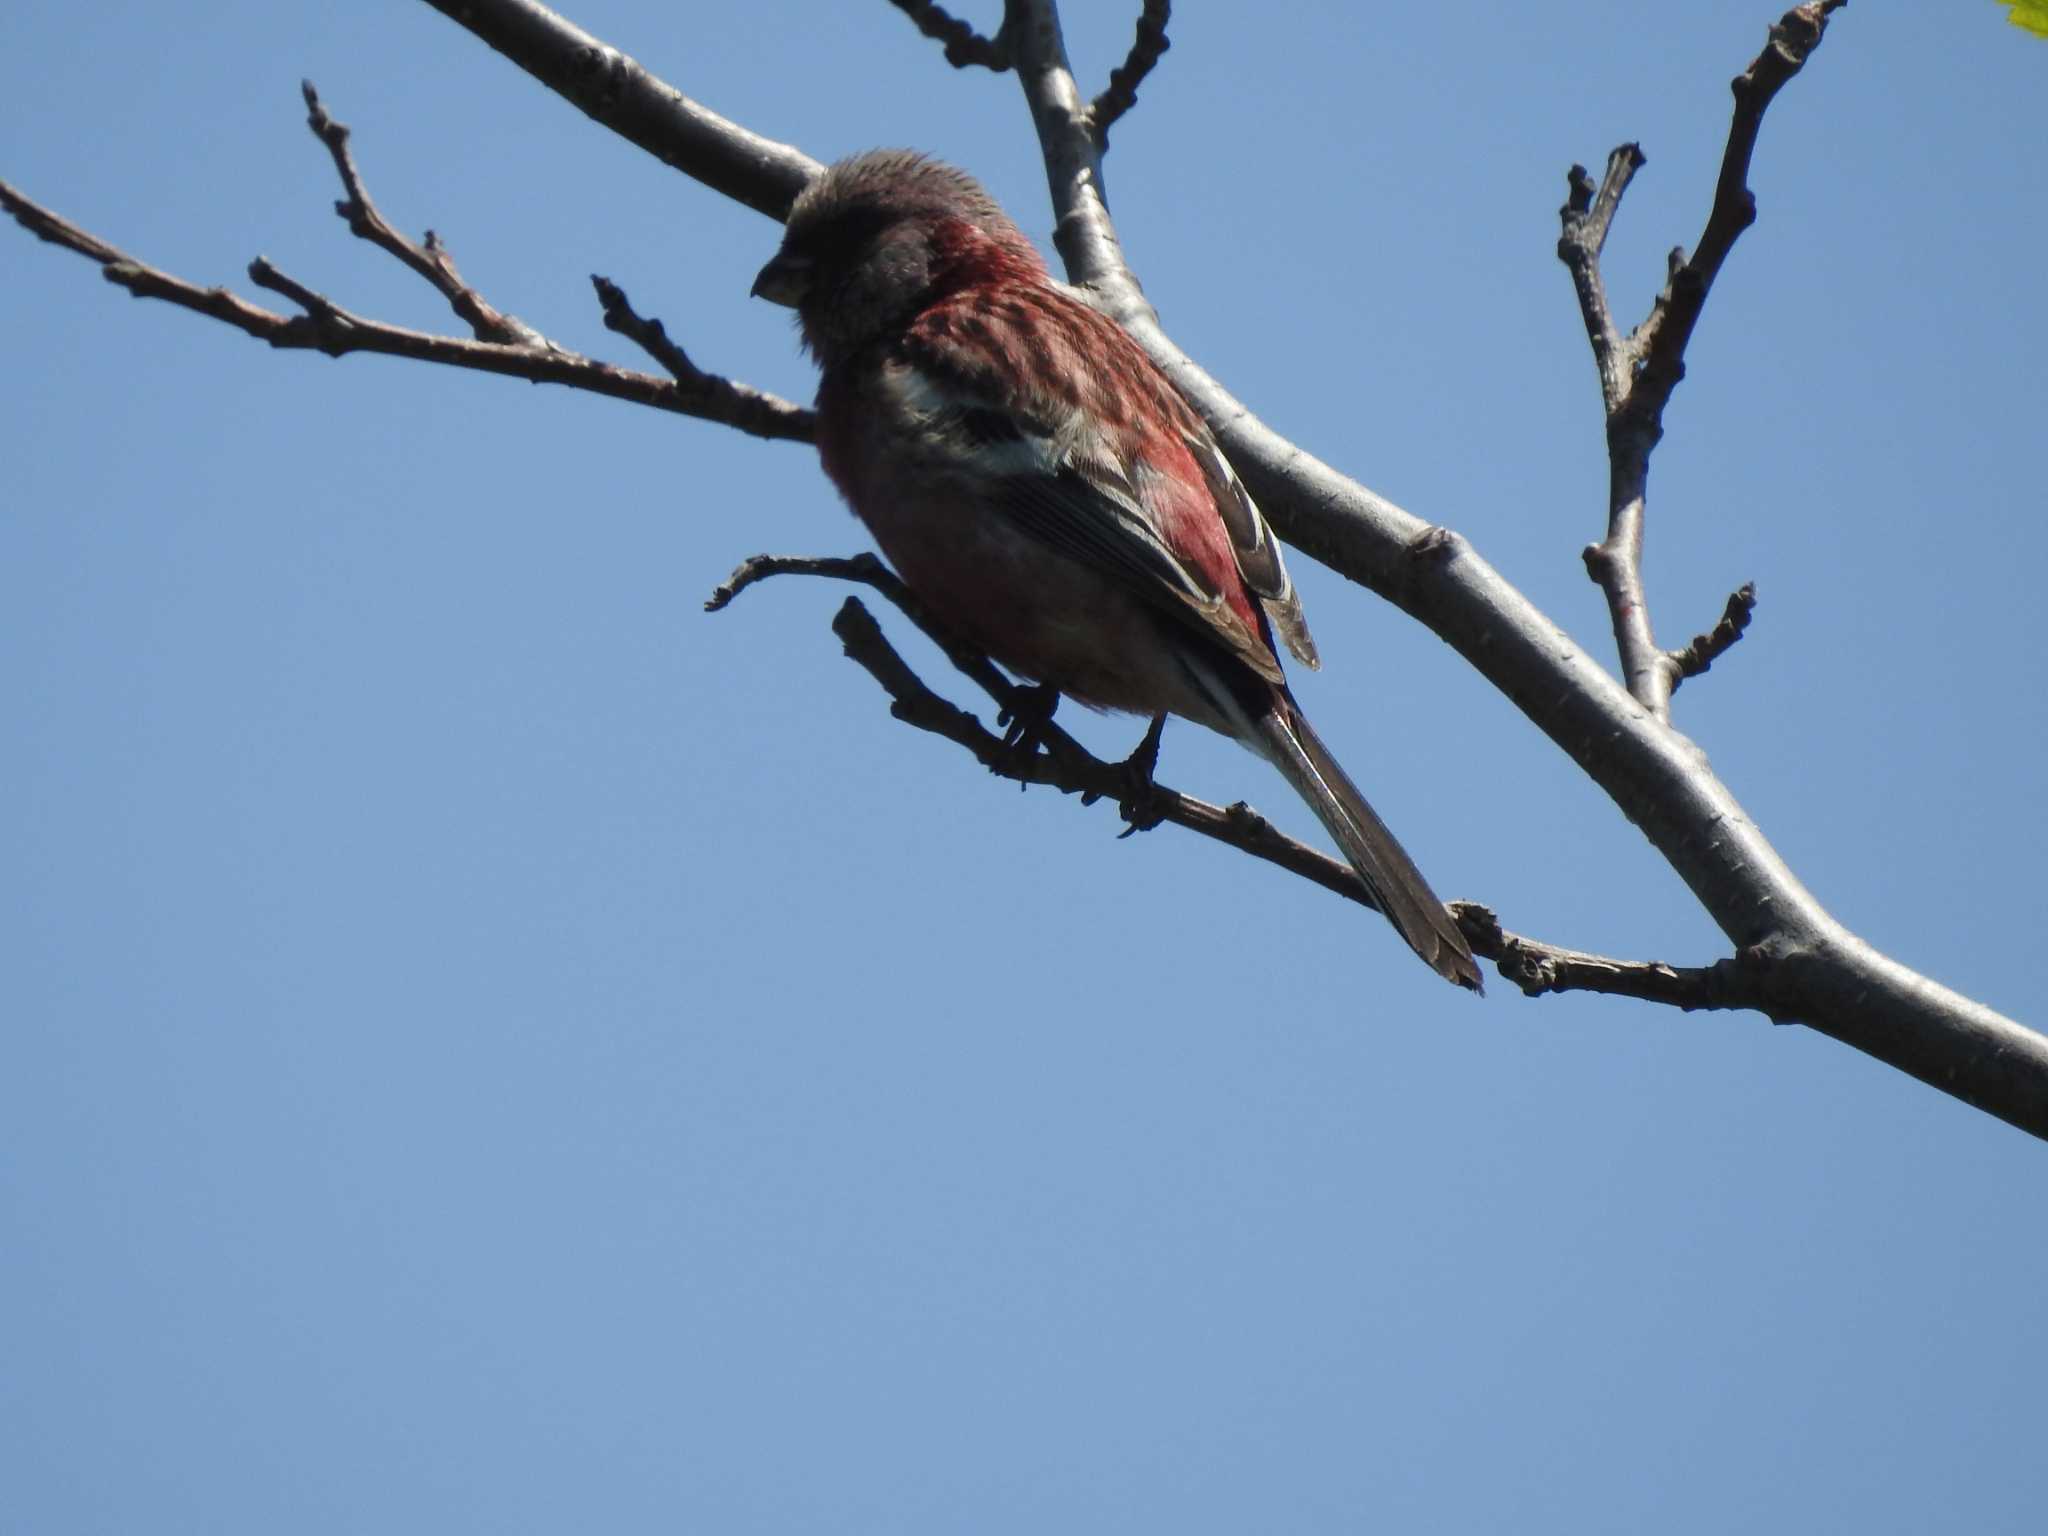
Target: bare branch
x=1706, y=649
x=1638, y=375
x=965, y=47
x=1819, y=973
x=1587, y=216
x=1616, y=566
x=713, y=396
x=1538, y=968
x=327, y=327
x=431, y=261
x=141, y=280
x=865, y=568
x=1669, y=327
x=869, y=570
x=1082, y=230
x=1825, y=976
x=1121, y=95
x=1064, y=764
x=613, y=89
x=329, y=318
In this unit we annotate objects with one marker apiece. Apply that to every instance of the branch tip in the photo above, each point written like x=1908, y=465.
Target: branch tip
x=1704, y=650
x=1639, y=373
x=1121, y=94
x=1578, y=189
x=328, y=328
x=649, y=334
x=964, y=47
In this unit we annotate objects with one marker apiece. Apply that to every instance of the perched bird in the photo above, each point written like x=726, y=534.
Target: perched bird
x=1047, y=492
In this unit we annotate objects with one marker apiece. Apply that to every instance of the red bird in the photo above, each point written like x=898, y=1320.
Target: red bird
x=1046, y=491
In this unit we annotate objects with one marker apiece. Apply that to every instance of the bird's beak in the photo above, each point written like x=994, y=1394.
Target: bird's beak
x=785, y=280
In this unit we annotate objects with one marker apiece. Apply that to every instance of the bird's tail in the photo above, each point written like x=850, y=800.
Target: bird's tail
x=1284, y=738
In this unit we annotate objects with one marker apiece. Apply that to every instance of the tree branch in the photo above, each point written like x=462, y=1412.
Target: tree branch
x=431, y=261
x=1531, y=965
x=1064, y=764
x=1639, y=374
x=1819, y=974
x=1587, y=216
x=1706, y=649
x=711, y=396
x=965, y=47
x=613, y=89
x=1807, y=967
x=1147, y=48
x=504, y=344
x=1538, y=968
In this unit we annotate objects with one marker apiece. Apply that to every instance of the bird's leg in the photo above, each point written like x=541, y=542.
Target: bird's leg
x=1143, y=805
x=1025, y=718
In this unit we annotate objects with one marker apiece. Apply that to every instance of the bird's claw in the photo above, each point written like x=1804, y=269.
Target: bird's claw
x=1144, y=804
x=1027, y=715
x=1025, y=718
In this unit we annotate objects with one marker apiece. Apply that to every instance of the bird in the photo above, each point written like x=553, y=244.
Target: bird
x=1048, y=493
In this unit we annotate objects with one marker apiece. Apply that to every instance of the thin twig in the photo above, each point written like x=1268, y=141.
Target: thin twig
x=1639, y=372
x=1121, y=94
x=140, y=279
x=965, y=47
x=717, y=397
x=432, y=260
x=868, y=570
x=864, y=568
x=1822, y=975
x=1669, y=328
x=1587, y=216
x=1538, y=968
x=1706, y=649
x=327, y=327
x=1064, y=764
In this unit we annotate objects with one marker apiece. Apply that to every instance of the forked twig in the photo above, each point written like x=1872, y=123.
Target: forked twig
x=502, y=344
x=1639, y=372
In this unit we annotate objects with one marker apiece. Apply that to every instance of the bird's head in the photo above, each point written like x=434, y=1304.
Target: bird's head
x=876, y=238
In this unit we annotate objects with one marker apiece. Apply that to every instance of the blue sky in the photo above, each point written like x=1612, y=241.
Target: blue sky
x=490, y=1047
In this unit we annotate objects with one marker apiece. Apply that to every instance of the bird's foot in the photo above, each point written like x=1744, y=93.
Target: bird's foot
x=1024, y=721
x=1144, y=804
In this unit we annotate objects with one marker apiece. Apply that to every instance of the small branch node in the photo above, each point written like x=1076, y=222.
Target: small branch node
x=320, y=309
x=1436, y=545
x=1579, y=190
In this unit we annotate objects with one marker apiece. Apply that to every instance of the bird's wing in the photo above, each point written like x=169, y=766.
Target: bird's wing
x=1158, y=528
x=1258, y=552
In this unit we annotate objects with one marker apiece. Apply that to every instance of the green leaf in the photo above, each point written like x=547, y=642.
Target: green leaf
x=2031, y=14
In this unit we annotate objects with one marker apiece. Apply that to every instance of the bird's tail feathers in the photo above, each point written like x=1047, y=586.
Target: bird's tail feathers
x=1281, y=735
x=1397, y=887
